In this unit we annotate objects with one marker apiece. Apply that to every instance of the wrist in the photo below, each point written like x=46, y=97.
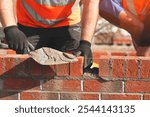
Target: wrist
x=6, y=29
x=85, y=43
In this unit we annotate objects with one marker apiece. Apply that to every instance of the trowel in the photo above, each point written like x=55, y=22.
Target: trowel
x=50, y=56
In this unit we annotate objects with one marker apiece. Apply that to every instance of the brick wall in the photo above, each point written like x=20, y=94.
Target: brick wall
x=119, y=77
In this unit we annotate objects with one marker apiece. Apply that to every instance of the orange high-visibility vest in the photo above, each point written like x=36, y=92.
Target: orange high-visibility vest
x=140, y=8
x=48, y=13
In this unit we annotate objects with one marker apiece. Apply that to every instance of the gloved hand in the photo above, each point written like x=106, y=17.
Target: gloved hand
x=17, y=40
x=84, y=49
x=70, y=45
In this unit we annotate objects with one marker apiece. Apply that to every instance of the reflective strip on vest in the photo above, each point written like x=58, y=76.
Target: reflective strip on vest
x=146, y=9
x=76, y=4
x=48, y=2
x=131, y=7
x=54, y=2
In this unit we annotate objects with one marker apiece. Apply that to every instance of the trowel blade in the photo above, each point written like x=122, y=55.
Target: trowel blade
x=49, y=56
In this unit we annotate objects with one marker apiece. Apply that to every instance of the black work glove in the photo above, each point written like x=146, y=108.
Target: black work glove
x=17, y=40
x=70, y=45
x=84, y=49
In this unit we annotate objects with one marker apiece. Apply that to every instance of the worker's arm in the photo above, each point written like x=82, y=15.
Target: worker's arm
x=7, y=13
x=15, y=38
x=89, y=18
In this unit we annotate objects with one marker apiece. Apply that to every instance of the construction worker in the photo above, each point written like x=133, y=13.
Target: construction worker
x=50, y=23
x=134, y=17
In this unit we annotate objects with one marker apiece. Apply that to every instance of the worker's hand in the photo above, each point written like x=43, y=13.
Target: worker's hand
x=84, y=49
x=70, y=45
x=16, y=39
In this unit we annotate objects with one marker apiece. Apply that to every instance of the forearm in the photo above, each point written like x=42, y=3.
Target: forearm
x=89, y=18
x=7, y=13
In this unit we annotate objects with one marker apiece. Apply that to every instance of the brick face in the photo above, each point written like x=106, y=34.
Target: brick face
x=15, y=65
x=145, y=69
x=35, y=68
x=137, y=87
x=104, y=67
x=9, y=65
x=62, y=85
x=76, y=68
x=121, y=97
x=4, y=95
x=131, y=68
x=22, y=67
x=39, y=96
x=63, y=70
x=48, y=71
x=118, y=67
x=79, y=96
x=1, y=72
x=9, y=51
x=118, y=54
x=99, y=86
x=146, y=97
x=98, y=54
x=132, y=53
x=21, y=84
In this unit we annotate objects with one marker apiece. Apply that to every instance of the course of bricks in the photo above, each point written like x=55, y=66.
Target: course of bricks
x=119, y=78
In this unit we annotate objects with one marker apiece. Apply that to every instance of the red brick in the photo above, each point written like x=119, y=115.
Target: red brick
x=100, y=86
x=131, y=68
x=62, y=85
x=1, y=66
x=39, y=96
x=146, y=97
x=79, y=96
x=104, y=67
x=63, y=70
x=118, y=54
x=9, y=65
x=36, y=69
x=4, y=95
x=76, y=68
x=145, y=68
x=118, y=67
x=132, y=53
x=48, y=70
x=121, y=97
x=9, y=51
x=137, y=87
x=22, y=67
x=21, y=84
x=98, y=54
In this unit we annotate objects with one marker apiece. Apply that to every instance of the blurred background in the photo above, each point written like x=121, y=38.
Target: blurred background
x=110, y=37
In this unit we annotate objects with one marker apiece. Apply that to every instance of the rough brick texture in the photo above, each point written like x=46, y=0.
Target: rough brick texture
x=121, y=96
x=120, y=77
x=39, y=96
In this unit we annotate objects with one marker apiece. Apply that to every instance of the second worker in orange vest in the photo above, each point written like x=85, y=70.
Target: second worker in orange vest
x=51, y=23
x=133, y=16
